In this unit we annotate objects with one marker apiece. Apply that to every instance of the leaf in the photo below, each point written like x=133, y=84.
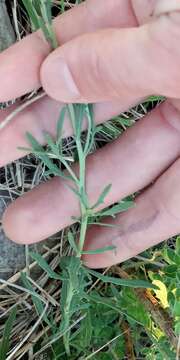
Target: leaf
x=178, y=246
x=109, y=302
x=32, y=13
x=37, y=302
x=51, y=144
x=80, y=114
x=38, y=148
x=103, y=195
x=5, y=343
x=116, y=209
x=45, y=266
x=154, y=98
x=132, y=306
x=176, y=310
x=71, y=264
x=130, y=283
x=46, y=10
x=161, y=294
x=99, y=251
x=89, y=115
x=88, y=329
x=72, y=241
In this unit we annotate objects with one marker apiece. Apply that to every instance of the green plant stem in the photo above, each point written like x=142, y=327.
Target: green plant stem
x=82, y=185
x=82, y=182
x=67, y=318
x=83, y=231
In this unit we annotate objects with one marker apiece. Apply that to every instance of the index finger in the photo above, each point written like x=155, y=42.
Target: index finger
x=20, y=64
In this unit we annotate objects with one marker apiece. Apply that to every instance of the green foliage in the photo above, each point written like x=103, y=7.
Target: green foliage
x=170, y=277
x=5, y=343
x=40, y=15
x=39, y=306
x=122, y=282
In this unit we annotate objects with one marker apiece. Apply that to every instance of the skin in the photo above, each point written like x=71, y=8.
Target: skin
x=126, y=50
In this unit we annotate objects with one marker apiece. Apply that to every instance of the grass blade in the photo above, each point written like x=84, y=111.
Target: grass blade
x=32, y=13
x=5, y=344
x=45, y=266
x=37, y=302
x=130, y=283
x=116, y=209
x=99, y=251
x=72, y=242
x=102, y=197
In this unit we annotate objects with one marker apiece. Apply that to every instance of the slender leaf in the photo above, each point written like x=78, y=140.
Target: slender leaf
x=130, y=283
x=72, y=242
x=37, y=302
x=99, y=251
x=45, y=266
x=38, y=149
x=5, y=343
x=116, y=209
x=103, y=195
x=32, y=13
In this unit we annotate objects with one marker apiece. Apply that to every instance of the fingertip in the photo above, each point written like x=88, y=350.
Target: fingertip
x=57, y=79
x=15, y=225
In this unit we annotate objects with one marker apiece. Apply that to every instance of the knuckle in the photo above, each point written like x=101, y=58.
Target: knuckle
x=167, y=193
x=164, y=34
x=170, y=112
x=165, y=6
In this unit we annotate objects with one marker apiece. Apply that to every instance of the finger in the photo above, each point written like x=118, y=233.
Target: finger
x=43, y=116
x=116, y=63
x=129, y=164
x=156, y=217
x=20, y=64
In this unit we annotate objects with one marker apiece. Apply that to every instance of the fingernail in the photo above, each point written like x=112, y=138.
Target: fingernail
x=58, y=81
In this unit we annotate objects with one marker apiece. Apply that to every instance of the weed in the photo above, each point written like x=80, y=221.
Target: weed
x=74, y=276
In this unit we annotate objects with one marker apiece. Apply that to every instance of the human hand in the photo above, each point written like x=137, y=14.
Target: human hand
x=114, y=61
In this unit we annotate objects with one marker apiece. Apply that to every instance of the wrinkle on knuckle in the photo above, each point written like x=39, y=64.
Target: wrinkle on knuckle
x=163, y=33
x=167, y=194
x=170, y=114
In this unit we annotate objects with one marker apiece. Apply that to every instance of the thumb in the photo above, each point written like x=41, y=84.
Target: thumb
x=115, y=64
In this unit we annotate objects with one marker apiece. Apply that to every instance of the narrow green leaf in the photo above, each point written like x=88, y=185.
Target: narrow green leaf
x=72, y=241
x=80, y=115
x=39, y=306
x=5, y=343
x=45, y=266
x=49, y=140
x=116, y=209
x=99, y=251
x=130, y=283
x=46, y=10
x=32, y=13
x=38, y=149
x=103, y=195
